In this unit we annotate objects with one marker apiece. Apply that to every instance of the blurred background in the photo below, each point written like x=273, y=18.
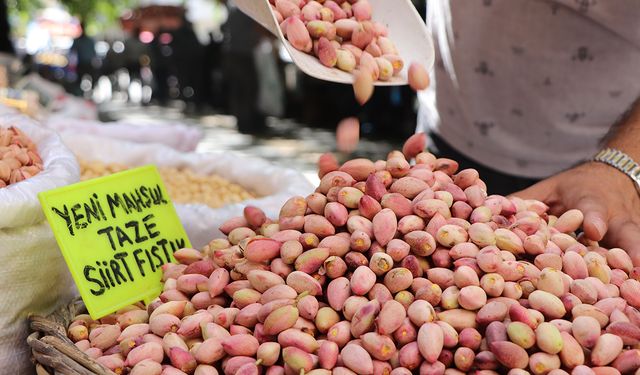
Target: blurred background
x=201, y=61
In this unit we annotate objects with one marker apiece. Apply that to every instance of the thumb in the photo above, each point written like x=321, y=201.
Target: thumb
x=595, y=218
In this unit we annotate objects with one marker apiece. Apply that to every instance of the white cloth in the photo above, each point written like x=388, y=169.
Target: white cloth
x=537, y=83
x=176, y=135
x=272, y=183
x=34, y=277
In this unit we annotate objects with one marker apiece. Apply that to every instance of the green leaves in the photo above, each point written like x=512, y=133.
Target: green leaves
x=97, y=14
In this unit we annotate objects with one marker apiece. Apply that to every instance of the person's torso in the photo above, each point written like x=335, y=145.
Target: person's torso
x=85, y=49
x=539, y=83
x=241, y=34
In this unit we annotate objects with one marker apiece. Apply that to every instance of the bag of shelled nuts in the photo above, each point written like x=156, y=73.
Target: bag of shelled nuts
x=206, y=188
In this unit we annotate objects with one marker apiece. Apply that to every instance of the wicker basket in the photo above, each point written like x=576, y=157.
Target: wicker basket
x=53, y=352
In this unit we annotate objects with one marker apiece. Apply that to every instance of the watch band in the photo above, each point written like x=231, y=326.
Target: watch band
x=621, y=161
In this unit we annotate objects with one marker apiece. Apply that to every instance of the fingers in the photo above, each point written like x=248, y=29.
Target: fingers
x=626, y=235
x=595, y=218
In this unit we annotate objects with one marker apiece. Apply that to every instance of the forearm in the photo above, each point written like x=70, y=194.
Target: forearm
x=625, y=134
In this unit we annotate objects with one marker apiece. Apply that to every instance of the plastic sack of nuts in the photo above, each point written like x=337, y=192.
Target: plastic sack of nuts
x=48, y=92
x=6, y=110
x=270, y=184
x=175, y=135
x=184, y=185
x=27, y=243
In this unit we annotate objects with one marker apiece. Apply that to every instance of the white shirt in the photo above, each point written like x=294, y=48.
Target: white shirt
x=538, y=83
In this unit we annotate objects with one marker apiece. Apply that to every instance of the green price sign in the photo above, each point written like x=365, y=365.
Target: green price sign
x=114, y=233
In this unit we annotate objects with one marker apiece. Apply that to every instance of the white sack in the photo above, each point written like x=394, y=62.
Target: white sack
x=73, y=107
x=48, y=92
x=178, y=136
x=273, y=183
x=34, y=276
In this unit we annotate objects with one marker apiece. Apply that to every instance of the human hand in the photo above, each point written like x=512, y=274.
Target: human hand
x=608, y=199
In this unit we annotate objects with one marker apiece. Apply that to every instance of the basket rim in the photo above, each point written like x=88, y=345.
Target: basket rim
x=52, y=349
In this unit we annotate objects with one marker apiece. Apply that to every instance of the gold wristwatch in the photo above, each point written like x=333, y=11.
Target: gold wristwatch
x=620, y=161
